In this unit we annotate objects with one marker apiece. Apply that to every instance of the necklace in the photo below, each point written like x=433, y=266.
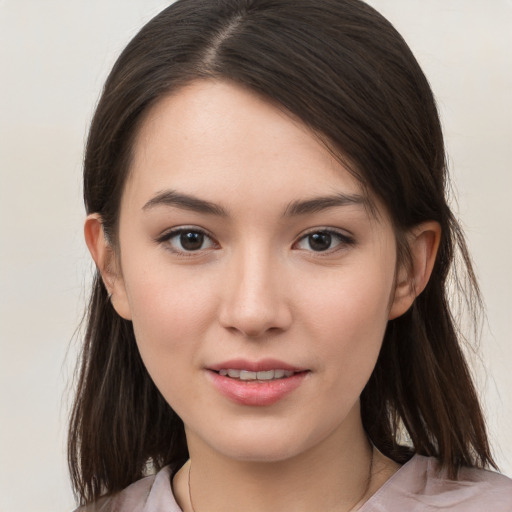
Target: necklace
x=189, y=491
x=368, y=482
x=365, y=492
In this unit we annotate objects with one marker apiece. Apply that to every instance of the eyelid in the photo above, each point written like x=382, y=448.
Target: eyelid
x=172, y=232
x=343, y=237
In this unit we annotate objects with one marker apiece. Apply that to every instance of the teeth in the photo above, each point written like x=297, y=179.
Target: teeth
x=248, y=375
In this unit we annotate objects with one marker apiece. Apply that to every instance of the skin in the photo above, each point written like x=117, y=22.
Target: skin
x=255, y=289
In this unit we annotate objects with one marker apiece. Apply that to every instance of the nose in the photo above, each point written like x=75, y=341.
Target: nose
x=254, y=302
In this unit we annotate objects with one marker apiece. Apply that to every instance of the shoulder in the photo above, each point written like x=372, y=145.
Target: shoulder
x=420, y=486
x=150, y=494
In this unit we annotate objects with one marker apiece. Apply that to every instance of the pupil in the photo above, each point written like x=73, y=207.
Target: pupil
x=320, y=241
x=191, y=241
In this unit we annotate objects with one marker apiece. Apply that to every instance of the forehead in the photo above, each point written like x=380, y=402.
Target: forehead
x=224, y=142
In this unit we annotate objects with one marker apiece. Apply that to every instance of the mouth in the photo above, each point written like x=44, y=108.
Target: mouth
x=256, y=383
x=248, y=375
x=262, y=370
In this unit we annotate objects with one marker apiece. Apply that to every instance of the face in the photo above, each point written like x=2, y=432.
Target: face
x=258, y=284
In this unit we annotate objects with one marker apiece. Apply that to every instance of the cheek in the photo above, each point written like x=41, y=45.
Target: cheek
x=350, y=302
x=169, y=313
x=349, y=315
x=167, y=302
x=166, y=319
x=167, y=324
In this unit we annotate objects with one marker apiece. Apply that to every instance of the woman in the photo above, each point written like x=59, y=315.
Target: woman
x=269, y=326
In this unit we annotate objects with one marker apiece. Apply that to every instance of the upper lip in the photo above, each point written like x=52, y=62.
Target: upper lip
x=255, y=366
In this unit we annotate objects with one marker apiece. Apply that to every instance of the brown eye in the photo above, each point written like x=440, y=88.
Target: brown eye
x=185, y=240
x=191, y=240
x=320, y=241
x=325, y=240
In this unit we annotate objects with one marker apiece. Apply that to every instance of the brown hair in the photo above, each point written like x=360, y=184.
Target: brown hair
x=346, y=73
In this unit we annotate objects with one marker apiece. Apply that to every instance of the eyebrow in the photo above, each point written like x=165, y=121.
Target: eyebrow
x=176, y=199
x=319, y=204
x=186, y=202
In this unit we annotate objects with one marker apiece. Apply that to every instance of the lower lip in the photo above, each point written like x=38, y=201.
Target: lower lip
x=256, y=392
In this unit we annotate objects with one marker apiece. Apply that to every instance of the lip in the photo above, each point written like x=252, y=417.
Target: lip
x=255, y=393
x=262, y=365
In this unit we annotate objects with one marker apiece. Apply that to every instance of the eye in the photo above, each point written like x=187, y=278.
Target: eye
x=323, y=240
x=187, y=240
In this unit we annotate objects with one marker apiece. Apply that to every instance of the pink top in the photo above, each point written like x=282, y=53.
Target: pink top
x=415, y=487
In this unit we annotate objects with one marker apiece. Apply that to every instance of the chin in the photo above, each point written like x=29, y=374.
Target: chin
x=272, y=452
x=261, y=444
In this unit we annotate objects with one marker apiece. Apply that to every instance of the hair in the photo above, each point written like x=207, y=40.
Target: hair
x=342, y=69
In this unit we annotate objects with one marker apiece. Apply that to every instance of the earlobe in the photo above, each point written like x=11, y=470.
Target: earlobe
x=423, y=241
x=103, y=255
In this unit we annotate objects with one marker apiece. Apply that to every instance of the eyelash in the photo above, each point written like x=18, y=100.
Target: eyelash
x=169, y=235
x=343, y=240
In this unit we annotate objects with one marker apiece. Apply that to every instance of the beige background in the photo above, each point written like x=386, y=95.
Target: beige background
x=54, y=56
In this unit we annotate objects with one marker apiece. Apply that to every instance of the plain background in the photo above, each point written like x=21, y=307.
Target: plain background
x=54, y=57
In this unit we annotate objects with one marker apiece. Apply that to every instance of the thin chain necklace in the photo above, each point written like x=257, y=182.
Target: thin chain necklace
x=367, y=488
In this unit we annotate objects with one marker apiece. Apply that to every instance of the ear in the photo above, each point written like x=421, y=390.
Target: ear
x=423, y=241
x=103, y=255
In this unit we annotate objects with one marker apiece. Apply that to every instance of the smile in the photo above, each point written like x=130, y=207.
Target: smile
x=248, y=375
x=256, y=384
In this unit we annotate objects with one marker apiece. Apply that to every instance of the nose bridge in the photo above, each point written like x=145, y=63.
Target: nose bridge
x=254, y=299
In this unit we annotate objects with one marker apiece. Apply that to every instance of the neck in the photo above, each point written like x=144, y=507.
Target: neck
x=336, y=476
